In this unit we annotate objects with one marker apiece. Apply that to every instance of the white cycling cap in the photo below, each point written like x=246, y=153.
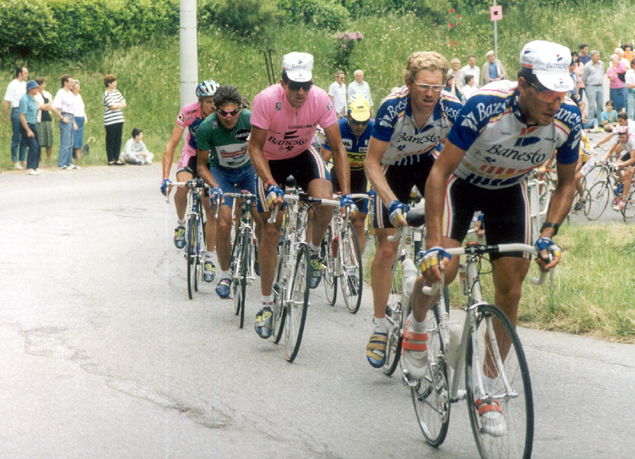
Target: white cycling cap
x=550, y=63
x=299, y=66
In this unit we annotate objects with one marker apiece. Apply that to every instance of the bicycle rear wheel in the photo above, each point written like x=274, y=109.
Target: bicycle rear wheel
x=629, y=206
x=191, y=255
x=328, y=267
x=597, y=198
x=495, y=352
x=297, y=307
x=351, y=269
x=431, y=394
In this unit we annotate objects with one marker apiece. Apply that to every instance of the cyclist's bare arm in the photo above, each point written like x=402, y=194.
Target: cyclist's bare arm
x=168, y=155
x=372, y=167
x=202, y=169
x=340, y=157
x=615, y=148
x=605, y=139
x=325, y=154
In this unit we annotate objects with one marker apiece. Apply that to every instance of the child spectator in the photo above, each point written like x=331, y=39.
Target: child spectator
x=588, y=124
x=608, y=117
x=135, y=151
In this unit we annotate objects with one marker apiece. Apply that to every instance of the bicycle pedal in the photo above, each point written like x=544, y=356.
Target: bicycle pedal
x=406, y=381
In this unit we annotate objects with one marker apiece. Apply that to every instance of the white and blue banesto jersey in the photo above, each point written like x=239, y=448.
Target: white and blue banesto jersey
x=409, y=145
x=500, y=148
x=356, y=147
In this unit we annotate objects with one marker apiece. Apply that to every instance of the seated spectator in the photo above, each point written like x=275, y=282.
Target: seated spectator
x=452, y=88
x=469, y=88
x=608, y=117
x=587, y=123
x=135, y=151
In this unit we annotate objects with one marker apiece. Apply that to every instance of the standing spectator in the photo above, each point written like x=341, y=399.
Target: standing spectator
x=114, y=103
x=359, y=86
x=472, y=69
x=80, y=120
x=579, y=66
x=584, y=57
x=630, y=90
x=573, y=94
x=493, y=70
x=459, y=76
x=135, y=151
x=44, y=102
x=65, y=103
x=628, y=52
x=620, y=54
x=593, y=78
x=469, y=88
x=616, y=85
x=15, y=91
x=337, y=93
x=28, y=128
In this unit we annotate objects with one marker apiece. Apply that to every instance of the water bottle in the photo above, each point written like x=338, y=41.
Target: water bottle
x=452, y=353
x=409, y=271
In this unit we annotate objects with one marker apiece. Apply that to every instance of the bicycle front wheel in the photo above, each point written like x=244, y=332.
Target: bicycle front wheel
x=351, y=269
x=192, y=256
x=395, y=319
x=240, y=275
x=297, y=306
x=279, y=288
x=328, y=267
x=495, y=359
x=629, y=206
x=597, y=198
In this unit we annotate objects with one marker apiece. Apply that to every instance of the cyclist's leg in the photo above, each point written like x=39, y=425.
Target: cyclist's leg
x=186, y=170
x=226, y=179
x=628, y=178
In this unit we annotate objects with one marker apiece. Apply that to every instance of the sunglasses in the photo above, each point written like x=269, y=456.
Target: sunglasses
x=358, y=123
x=296, y=86
x=228, y=114
x=547, y=95
x=427, y=87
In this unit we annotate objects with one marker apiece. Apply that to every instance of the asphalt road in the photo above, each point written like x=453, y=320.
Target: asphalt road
x=103, y=355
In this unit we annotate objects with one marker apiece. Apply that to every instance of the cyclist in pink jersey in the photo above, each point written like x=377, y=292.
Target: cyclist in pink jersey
x=284, y=121
x=190, y=117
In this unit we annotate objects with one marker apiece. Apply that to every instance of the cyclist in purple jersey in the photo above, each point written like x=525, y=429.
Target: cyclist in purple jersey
x=505, y=130
x=189, y=117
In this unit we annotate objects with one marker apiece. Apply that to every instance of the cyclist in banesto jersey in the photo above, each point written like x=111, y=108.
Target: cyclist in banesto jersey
x=410, y=124
x=505, y=130
x=190, y=117
x=355, y=130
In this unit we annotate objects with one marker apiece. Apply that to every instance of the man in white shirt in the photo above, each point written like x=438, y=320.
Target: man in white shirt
x=65, y=102
x=472, y=69
x=359, y=86
x=337, y=93
x=15, y=91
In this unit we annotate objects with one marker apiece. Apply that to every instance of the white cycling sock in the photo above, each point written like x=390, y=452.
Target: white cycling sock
x=314, y=248
x=381, y=325
x=181, y=222
x=209, y=256
x=266, y=300
x=416, y=326
x=226, y=274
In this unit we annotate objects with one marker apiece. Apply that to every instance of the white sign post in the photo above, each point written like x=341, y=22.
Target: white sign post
x=495, y=15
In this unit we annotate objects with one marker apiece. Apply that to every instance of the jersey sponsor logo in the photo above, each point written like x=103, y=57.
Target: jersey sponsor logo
x=180, y=118
x=451, y=113
x=526, y=141
x=348, y=143
x=329, y=106
x=242, y=135
x=278, y=106
x=214, y=124
x=486, y=181
x=393, y=111
x=535, y=157
x=488, y=111
x=569, y=117
x=470, y=122
x=288, y=142
x=418, y=139
x=356, y=160
x=363, y=149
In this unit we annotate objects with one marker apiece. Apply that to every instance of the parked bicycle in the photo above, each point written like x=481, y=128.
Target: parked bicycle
x=602, y=191
x=488, y=352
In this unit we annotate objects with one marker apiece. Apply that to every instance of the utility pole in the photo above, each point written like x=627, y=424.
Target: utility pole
x=189, y=52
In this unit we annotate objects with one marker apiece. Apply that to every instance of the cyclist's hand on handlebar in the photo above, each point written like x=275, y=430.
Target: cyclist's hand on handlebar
x=433, y=262
x=274, y=196
x=397, y=212
x=548, y=253
x=347, y=201
x=165, y=184
x=215, y=195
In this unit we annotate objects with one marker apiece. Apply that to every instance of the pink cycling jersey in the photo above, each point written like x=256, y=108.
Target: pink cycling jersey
x=190, y=117
x=290, y=131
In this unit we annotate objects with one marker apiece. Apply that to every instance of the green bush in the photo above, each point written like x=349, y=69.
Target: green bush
x=247, y=17
x=328, y=14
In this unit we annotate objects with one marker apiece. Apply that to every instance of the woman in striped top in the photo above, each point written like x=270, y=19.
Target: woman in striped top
x=113, y=119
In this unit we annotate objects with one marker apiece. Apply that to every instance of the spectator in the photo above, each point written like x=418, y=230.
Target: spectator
x=15, y=91
x=451, y=87
x=616, y=85
x=608, y=117
x=246, y=104
x=579, y=66
x=337, y=93
x=620, y=54
x=135, y=151
x=359, y=86
x=573, y=94
x=584, y=56
x=493, y=70
x=587, y=123
x=65, y=103
x=114, y=103
x=80, y=120
x=628, y=52
x=593, y=78
x=472, y=69
x=630, y=90
x=459, y=76
x=469, y=88
x=44, y=102
x=28, y=128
